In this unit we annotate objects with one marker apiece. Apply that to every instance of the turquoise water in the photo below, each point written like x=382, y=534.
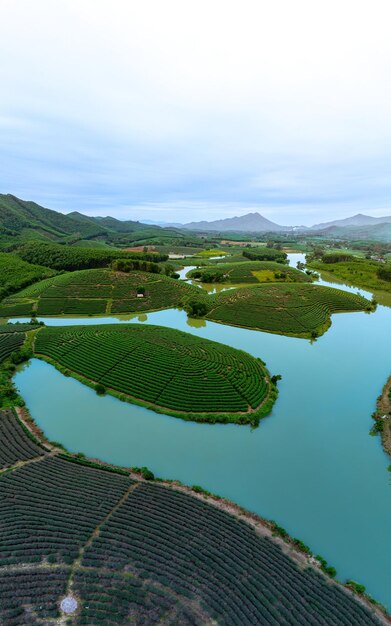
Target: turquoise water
x=311, y=465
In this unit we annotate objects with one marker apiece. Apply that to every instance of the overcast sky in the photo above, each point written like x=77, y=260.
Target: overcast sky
x=176, y=110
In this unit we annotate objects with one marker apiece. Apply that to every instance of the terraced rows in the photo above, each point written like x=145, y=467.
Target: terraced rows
x=48, y=509
x=31, y=596
x=186, y=545
x=15, y=444
x=282, y=308
x=161, y=367
x=250, y=272
x=113, y=597
x=144, y=553
x=96, y=292
x=10, y=342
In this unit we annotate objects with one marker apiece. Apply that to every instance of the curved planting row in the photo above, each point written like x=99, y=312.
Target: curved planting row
x=48, y=509
x=249, y=272
x=31, y=596
x=199, y=551
x=166, y=369
x=15, y=442
x=95, y=292
x=135, y=552
x=294, y=309
x=111, y=598
x=10, y=342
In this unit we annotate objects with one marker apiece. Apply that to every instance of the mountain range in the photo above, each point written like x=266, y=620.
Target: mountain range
x=254, y=222
x=30, y=220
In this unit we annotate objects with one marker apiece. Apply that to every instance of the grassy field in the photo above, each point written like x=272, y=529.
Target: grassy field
x=16, y=274
x=97, y=292
x=290, y=309
x=250, y=272
x=359, y=272
x=146, y=553
x=163, y=369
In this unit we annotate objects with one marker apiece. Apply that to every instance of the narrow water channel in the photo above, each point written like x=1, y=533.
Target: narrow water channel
x=310, y=465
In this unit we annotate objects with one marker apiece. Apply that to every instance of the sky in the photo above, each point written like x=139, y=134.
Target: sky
x=187, y=110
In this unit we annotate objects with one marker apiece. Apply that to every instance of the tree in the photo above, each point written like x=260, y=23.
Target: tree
x=196, y=308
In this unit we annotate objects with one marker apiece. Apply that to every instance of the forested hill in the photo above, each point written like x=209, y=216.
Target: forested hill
x=26, y=219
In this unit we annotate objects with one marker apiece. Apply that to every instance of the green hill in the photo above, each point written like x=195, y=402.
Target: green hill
x=15, y=274
x=250, y=272
x=133, y=551
x=26, y=219
x=291, y=309
x=166, y=370
x=97, y=292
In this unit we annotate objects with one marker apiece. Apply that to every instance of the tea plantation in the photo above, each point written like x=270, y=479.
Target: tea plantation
x=135, y=552
x=250, y=272
x=289, y=309
x=167, y=370
x=97, y=292
x=10, y=342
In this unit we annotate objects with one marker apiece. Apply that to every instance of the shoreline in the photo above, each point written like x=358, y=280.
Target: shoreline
x=302, y=556
x=382, y=417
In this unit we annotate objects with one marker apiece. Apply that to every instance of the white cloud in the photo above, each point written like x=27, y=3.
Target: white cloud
x=281, y=105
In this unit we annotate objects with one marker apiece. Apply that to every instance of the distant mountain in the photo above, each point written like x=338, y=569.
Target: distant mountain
x=249, y=223
x=374, y=232
x=355, y=220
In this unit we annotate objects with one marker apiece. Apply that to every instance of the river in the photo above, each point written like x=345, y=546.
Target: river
x=310, y=465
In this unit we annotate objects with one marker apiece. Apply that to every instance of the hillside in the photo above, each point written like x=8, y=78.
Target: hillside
x=165, y=370
x=29, y=219
x=125, y=550
x=250, y=272
x=97, y=292
x=24, y=220
x=294, y=309
x=15, y=274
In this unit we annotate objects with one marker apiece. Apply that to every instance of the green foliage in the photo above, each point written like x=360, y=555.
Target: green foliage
x=265, y=254
x=128, y=265
x=336, y=257
x=249, y=272
x=199, y=489
x=196, y=308
x=384, y=272
x=100, y=389
x=98, y=291
x=10, y=344
x=16, y=443
x=16, y=274
x=147, y=551
x=144, y=471
x=164, y=369
x=62, y=257
x=356, y=587
x=296, y=309
x=325, y=567
x=360, y=272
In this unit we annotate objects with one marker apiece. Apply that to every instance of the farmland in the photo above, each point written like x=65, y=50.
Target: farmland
x=132, y=551
x=97, y=292
x=16, y=274
x=292, y=309
x=250, y=272
x=163, y=369
x=10, y=342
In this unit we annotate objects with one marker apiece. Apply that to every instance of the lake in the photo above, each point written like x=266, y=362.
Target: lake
x=310, y=465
